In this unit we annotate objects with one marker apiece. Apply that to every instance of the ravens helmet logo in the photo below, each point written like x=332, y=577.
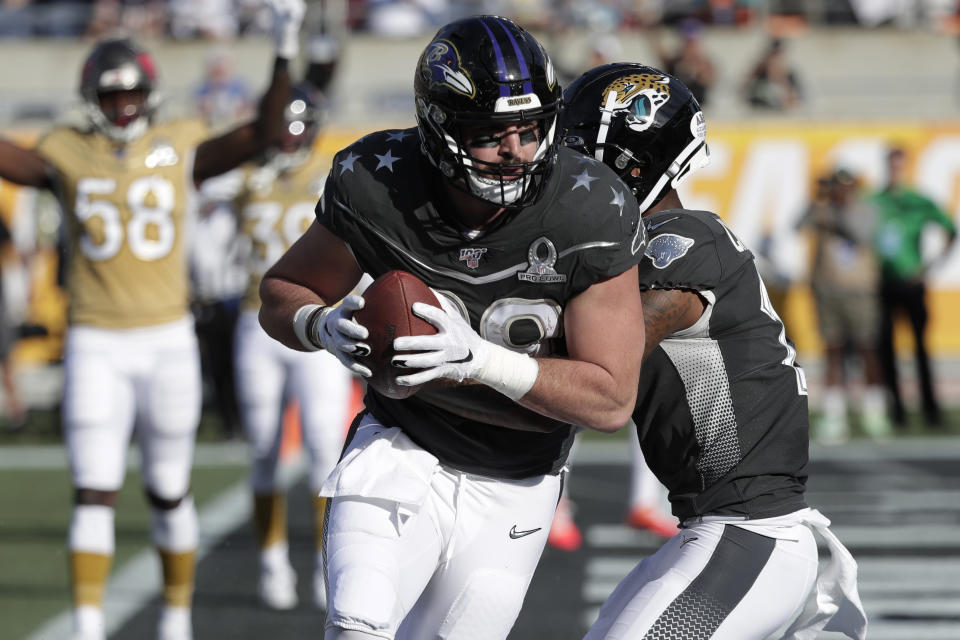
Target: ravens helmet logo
x=441, y=65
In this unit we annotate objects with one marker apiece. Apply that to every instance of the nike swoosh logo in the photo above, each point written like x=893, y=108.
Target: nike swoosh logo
x=519, y=534
x=651, y=227
x=686, y=540
x=467, y=358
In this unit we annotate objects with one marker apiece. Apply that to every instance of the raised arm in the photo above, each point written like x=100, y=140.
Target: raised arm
x=24, y=166
x=233, y=148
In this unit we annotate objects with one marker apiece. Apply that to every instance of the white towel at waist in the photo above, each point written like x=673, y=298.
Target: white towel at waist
x=385, y=464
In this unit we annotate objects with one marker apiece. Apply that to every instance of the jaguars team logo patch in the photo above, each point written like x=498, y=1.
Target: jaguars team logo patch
x=472, y=256
x=666, y=248
x=441, y=64
x=637, y=97
x=541, y=256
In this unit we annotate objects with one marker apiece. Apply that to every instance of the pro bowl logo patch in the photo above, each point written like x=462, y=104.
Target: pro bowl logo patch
x=541, y=258
x=666, y=248
x=441, y=63
x=637, y=96
x=162, y=154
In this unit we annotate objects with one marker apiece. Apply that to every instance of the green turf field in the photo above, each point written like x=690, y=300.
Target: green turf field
x=35, y=512
x=34, y=516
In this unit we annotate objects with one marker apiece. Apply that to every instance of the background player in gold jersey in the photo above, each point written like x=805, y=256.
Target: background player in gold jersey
x=275, y=206
x=125, y=183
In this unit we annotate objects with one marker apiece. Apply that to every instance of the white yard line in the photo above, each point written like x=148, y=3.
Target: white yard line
x=54, y=456
x=138, y=581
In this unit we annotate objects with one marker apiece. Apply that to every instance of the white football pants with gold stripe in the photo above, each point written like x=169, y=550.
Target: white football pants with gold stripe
x=270, y=374
x=418, y=550
x=116, y=378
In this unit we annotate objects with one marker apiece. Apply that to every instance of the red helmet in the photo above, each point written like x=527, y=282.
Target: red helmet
x=116, y=66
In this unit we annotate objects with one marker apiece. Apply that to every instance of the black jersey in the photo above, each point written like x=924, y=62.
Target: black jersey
x=513, y=282
x=722, y=406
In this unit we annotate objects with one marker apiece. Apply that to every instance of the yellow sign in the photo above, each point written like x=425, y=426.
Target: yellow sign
x=759, y=180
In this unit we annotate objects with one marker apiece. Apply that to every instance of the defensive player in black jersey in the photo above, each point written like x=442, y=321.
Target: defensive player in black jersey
x=721, y=411
x=441, y=503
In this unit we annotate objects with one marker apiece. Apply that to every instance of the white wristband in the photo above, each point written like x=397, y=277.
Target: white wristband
x=512, y=374
x=300, y=319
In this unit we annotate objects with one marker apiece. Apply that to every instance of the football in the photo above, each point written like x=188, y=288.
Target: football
x=387, y=315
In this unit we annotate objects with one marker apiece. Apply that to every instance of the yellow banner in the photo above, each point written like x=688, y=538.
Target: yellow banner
x=759, y=180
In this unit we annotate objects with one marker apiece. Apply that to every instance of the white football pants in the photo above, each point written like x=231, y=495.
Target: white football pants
x=268, y=375
x=717, y=581
x=115, y=378
x=418, y=550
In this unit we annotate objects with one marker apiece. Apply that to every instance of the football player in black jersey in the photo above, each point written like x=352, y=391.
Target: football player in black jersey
x=441, y=504
x=721, y=411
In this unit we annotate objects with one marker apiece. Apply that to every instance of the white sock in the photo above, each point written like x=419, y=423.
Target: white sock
x=834, y=403
x=88, y=621
x=176, y=530
x=91, y=529
x=873, y=400
x=276, y=556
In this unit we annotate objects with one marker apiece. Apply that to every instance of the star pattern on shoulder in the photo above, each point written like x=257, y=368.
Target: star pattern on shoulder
x=586, y=159
x=618, y=199
x=397, y=136
x=583, y=180
x=347, y=163
x=386, y=160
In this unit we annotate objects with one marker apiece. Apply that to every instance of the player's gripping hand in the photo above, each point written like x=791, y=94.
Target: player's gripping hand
x=287, y=18
x=336, y=331
x=457, y=352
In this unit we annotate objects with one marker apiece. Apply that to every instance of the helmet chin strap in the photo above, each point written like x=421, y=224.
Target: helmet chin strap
x=132, y=131
x=126, y=134
x=675, y=172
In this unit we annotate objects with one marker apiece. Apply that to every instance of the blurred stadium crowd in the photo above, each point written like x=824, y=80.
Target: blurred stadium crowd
x=219, y=19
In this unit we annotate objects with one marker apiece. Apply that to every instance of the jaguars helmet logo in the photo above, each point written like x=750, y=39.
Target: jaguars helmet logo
x=442, y=65
x=637, y=96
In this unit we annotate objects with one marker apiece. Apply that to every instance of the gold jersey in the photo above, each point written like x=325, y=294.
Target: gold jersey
x=128, y=210
x=274, y=210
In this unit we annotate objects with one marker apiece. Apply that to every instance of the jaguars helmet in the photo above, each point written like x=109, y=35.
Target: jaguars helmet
x=643, y=123
x=114, y=66
x=304, y=117
x=486, y=70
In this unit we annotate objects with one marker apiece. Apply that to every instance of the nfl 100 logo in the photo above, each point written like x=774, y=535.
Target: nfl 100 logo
x=472, y=256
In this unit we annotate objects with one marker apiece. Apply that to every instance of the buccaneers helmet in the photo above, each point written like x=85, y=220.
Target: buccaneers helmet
x=486, y=70
x=304, y=116
x=119, y=66
x=641, y=122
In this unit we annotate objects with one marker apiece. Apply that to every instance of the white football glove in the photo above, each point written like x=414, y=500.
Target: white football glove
x=287, y=18
x=457, y=352
x=337, y=332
